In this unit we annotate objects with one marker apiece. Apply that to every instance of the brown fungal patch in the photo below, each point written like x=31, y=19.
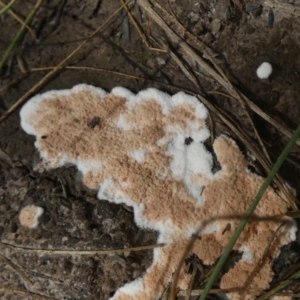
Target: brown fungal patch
x=150, y=154
x=29, y=216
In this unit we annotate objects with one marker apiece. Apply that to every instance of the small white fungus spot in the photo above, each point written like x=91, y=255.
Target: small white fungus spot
x=264, y=70
x=29, y=216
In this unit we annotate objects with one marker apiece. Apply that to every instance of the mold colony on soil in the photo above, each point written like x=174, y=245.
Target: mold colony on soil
x=29, y=216
x=147, y=151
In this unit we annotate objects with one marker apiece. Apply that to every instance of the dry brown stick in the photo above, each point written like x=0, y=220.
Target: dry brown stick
x=221, y=94
x=92, y=69
x=188, y=292
x=281, y=128
x=19, y=19
x=138, y=29
x=80, y=252
x=58, y=67
x=185, y=70
x=271, y=240
x=212, y=128
x=26, y=293
x=199, y=292
x=14, y=267
x=19, y=34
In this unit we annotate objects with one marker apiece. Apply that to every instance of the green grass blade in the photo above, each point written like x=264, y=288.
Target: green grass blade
x=19, y=34
x=7, y=7
x=249, y=212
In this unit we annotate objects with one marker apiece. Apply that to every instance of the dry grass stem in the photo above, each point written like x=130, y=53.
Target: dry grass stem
x=188, y=292
x=14, y=267
x=26, y=293
x=199, y=292
x=185, y=69
x=139, y=30
x=91, y=69
x=19, y=33
x=271, y=241
x=81, y=252
x=19, y=19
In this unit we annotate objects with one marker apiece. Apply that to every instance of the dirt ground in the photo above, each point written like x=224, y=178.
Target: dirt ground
x=240, y=39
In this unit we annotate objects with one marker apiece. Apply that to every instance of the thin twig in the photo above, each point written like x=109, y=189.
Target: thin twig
x=7, y=7
x=19, y=19
x=19, y=34
x=185, y=70
x=80, y=252
x=26, y=293
x=188, y=292
x=138, y=29
x=25, y=279
x=47, y=77
x=271, y=240
x=199, y=292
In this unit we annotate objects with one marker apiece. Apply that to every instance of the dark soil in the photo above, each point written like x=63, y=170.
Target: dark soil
x=74, y=218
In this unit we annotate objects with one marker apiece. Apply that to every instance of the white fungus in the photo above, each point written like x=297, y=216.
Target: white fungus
x=264, y=70
x=29, y=216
